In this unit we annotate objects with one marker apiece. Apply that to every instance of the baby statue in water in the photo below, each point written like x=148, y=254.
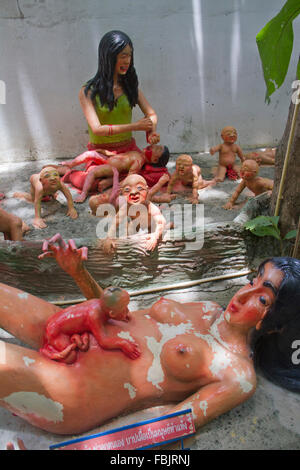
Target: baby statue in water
x=135, y=205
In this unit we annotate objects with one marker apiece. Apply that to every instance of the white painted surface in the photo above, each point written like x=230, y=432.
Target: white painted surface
x=34, y=403
x=197, y=63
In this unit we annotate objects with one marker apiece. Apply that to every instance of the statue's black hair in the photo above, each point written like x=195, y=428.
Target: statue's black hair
x=163, y=159
x=273, y=344
x=101, y=84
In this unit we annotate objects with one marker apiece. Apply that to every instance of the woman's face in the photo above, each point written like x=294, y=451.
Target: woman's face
x=251, y=303
x=123, y=60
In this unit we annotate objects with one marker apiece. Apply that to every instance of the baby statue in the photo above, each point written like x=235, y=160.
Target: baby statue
x=44, y=185
x=250, y=180
x=69, y=329
x=188, y=174
x=134, y=192
x=113, y=196
x=227, y=153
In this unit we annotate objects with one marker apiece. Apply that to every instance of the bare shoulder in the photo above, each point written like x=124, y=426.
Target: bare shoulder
x=35, y=178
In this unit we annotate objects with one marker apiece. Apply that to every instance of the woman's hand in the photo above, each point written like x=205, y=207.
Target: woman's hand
x=144, y=124
x=69, y=258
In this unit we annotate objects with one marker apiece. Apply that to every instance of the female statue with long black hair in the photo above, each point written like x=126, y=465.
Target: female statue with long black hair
x=107, y=101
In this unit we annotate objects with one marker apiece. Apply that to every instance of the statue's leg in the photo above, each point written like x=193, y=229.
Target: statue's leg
x=221, y=173
x=24, y=315
x=37, y=389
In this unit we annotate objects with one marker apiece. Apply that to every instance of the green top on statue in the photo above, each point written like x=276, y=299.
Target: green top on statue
x=121, y=114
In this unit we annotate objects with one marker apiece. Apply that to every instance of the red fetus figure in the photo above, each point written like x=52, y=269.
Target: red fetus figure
x=68, y=330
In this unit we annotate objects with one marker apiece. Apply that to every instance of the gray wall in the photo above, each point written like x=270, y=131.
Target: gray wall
x=197, y=63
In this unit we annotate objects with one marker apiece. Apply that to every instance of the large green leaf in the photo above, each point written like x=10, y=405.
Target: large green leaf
x=263, y=226
x=266, y=232
x=262, y=221
x=275, y=44
x=291, y=234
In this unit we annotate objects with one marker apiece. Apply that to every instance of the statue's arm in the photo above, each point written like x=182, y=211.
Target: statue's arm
x=96, y=325
x=173, y=179
x=71, y=259
x=217, y=398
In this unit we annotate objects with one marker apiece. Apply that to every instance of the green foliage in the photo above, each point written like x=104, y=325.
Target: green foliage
x=263, y=226
x=275, y=44
x=267, y=226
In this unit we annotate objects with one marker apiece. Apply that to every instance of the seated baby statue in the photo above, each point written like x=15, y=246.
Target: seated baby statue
x=141, y=212
x=227, y=154
x=69, y=329
x=12, y=227
x=188, y=174
x=251, y=180
x=126, y=163
x=44, y=185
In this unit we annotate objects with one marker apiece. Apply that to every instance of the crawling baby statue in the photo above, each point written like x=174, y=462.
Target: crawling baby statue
x=44, y=185
x=188, y=174
x=250, y=180
x=68, y=329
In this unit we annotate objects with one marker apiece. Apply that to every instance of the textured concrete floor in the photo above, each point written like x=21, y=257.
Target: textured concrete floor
x=269, y=420
x=15, y=177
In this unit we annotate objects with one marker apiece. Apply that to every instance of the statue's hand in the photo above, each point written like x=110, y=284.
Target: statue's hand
x=151, y=242
x=228, y=206
x=144, y=124
x=130, y=349
x=69, y=258
x=193, y=199
x=72, y=213
x=153, y=138
x=109, y=246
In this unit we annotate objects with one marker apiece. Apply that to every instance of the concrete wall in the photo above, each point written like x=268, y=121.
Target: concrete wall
x=196, y=60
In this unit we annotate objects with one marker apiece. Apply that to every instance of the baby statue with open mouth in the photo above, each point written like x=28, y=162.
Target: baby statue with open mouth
x=188, y=174
x=141, y=213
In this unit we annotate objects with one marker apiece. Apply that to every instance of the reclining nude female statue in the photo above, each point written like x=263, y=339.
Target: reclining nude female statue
x=194, y=355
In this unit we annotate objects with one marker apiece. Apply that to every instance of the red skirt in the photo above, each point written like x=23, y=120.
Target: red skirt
x=153, y=174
